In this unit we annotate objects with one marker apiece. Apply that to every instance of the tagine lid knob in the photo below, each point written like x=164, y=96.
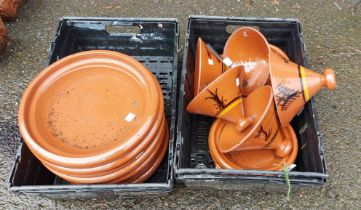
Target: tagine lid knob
x=329, y=79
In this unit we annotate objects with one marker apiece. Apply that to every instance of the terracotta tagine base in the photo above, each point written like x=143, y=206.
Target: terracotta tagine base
x=263, y=159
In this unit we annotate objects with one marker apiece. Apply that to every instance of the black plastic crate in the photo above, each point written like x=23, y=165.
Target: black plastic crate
x=153, y=42
x=193, y=163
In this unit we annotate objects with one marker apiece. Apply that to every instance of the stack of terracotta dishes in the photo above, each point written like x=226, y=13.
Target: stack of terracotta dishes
x=96, y=117
x=254, y=91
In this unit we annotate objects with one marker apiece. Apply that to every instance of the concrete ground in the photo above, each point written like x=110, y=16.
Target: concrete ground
x=333, y=39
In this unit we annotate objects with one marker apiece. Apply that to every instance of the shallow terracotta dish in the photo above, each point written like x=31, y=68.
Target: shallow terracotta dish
x=124, y=165
x=79, y=112
x=263, y=159
x=3, y=32
x=261, y=134
x=9, y=8
x=294, y=85
x=222, y=99
x=121, y=159
x=208, y=66
x=248, y=47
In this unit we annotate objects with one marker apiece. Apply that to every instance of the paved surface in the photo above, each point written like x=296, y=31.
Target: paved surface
x=333, y=39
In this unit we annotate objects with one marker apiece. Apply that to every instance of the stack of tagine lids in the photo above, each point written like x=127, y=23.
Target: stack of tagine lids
x=96, y=117
x=254, y=91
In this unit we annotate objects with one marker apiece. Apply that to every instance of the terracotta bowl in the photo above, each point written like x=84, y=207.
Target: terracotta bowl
x=123, y=164
x=248, y=47
x=127, y=171
x=261, y=134
x=78, y=112
x=263, y=159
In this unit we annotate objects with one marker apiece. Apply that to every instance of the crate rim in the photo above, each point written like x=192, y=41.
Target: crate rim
x=144, y=19
x=249, y=18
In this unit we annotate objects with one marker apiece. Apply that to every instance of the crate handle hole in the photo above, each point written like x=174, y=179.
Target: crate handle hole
x=231, y=28
x=122, y=29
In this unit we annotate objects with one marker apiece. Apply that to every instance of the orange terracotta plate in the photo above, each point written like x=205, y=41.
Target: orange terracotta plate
x=263, y=159
x=121, y=159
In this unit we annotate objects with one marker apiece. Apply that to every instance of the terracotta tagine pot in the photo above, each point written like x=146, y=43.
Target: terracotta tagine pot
x=262, y=133
x=3, y=32
x=293, y=85
x=248, y=47
x=222, y=99
x=78, y=112
x=208, y=66
x=262, y=159
x=9, y=9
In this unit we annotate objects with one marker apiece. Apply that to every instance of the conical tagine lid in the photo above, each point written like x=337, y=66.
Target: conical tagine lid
x=208, y=66
x=222, y=99
x=293, y=85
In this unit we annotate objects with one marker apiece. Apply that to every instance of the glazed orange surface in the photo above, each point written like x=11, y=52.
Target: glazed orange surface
x=88, y=109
